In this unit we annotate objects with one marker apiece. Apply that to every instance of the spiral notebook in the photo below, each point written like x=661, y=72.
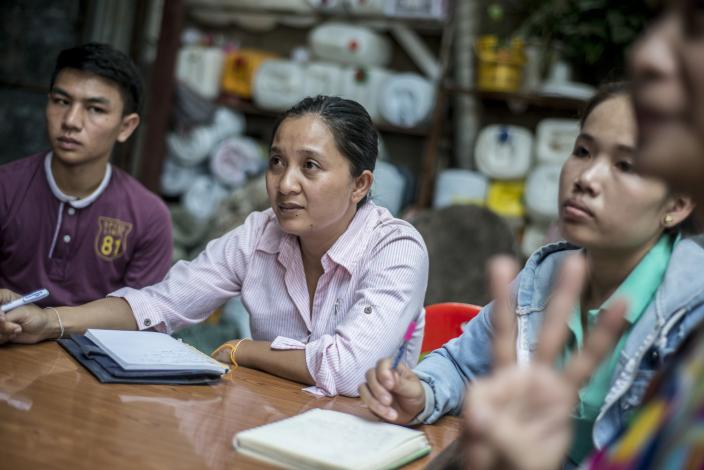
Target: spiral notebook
x=325, y=439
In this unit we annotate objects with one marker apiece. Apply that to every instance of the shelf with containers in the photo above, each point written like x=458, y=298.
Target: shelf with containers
x=249, y=108
x=522, y=136
x=260, y=39
x=416, y=147
x=381, y=71
x=521, y=108
x=520, y=101
x=428, y=18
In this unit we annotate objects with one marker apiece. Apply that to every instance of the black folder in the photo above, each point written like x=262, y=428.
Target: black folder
x=106, y=370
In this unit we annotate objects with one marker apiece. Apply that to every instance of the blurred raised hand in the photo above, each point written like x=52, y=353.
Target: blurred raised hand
x=518, y=417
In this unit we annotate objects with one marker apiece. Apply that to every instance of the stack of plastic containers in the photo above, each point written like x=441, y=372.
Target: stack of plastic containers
x=517, y=176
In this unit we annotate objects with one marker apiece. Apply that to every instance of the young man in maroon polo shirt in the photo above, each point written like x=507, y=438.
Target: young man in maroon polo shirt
x=70, y=222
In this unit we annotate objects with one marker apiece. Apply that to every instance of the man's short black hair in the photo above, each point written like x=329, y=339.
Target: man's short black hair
x=106, y=62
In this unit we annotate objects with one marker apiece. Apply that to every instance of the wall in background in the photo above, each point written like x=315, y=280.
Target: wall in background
x=31, y=35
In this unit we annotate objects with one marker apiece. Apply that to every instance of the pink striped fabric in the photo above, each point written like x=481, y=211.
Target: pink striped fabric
x=373, y=285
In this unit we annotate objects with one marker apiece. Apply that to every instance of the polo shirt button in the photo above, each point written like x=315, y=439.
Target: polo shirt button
x=67, y=238
x=367, y=310
x=71, y=211
x=147, y=322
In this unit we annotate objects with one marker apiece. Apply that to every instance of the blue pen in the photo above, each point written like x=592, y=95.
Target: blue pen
x=406, y=338
x=27, y=299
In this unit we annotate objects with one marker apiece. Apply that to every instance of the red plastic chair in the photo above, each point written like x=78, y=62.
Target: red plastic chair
x=445, y=321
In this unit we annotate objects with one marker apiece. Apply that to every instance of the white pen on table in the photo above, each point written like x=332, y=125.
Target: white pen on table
x=27, y=299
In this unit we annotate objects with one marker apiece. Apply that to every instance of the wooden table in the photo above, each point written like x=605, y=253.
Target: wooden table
x=55, y=414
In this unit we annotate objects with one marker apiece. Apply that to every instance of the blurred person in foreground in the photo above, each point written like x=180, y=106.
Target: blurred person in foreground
x=625, y=227
x=507, y=425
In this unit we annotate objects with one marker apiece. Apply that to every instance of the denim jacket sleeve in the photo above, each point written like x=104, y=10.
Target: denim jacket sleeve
x=690, y=322
x=445, y=372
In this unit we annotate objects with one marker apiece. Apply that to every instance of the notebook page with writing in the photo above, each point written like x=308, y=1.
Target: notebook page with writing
x=332, y=440
x=150, y=350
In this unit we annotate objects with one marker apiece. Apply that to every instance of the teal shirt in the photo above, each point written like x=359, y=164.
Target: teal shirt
x=638, y=289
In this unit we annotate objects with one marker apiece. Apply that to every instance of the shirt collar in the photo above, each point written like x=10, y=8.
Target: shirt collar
x=346, y=249
x=638, y=288
x=642, y=283
x=73, y=200
x=272, y=238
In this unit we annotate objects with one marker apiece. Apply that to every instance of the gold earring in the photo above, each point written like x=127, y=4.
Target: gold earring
x=668, y=220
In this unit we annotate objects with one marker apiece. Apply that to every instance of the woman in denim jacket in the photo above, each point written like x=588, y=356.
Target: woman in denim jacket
x=626, y=226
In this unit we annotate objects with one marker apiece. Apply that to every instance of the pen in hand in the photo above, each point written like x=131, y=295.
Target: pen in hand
x=406, y=338
x=27, y=299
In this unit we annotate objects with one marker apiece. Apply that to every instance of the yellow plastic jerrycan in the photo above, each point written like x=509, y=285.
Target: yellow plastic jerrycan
x=499, y=67
x=240, y=67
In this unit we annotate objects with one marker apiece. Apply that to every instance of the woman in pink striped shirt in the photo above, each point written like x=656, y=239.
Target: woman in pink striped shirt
x=331, y=281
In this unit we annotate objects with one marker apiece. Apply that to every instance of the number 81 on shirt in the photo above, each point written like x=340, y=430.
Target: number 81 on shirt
x=111, y=239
